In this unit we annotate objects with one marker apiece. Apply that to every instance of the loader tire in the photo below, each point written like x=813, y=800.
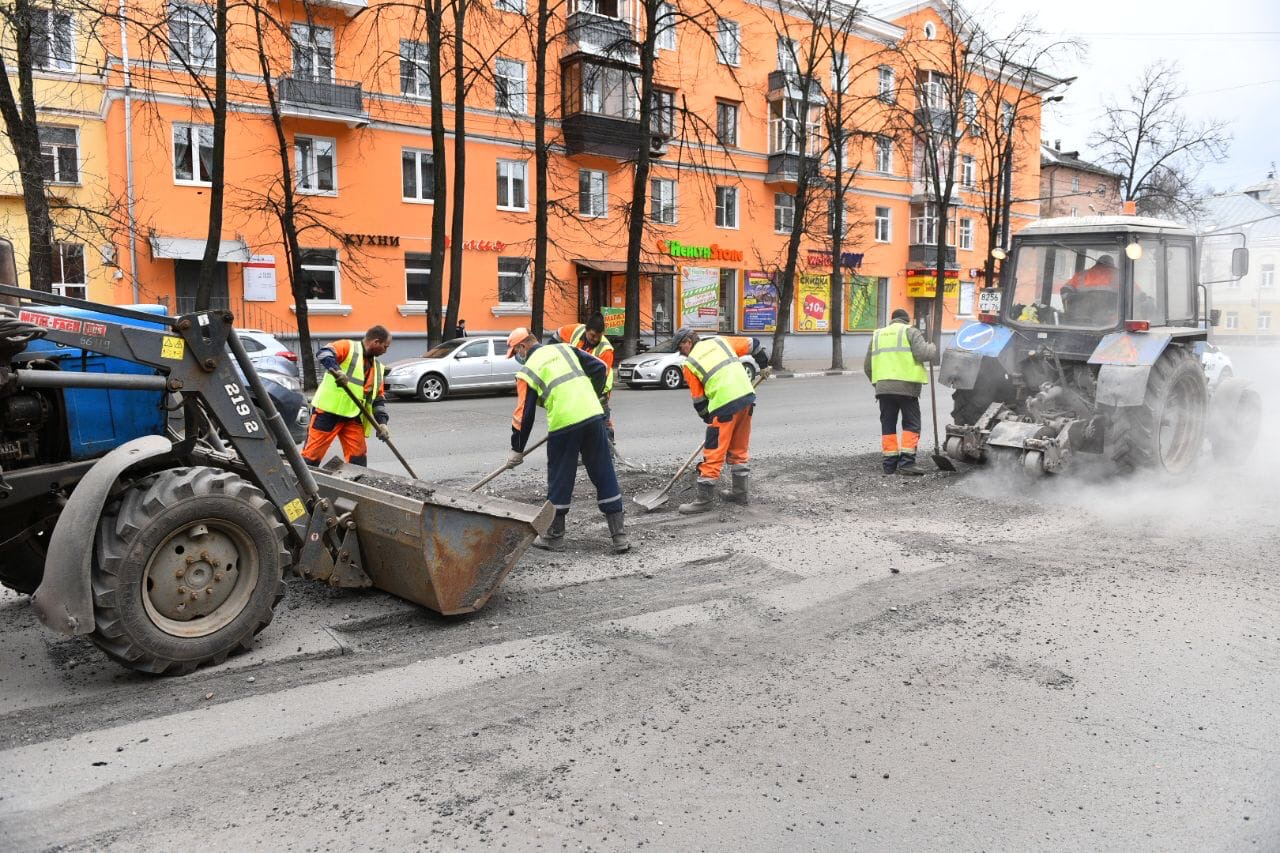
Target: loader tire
x=1166, y=432
x=1235, y=418
x=188, y=567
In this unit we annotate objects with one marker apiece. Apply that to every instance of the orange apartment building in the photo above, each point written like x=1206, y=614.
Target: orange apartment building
x=351, y=84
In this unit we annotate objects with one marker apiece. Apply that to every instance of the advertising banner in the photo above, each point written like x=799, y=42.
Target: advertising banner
x=813, y=303
x=614, y=320
x=759, y=302
x=923, y=284
x=260, y=279
x=861, y=302
x=700, y=297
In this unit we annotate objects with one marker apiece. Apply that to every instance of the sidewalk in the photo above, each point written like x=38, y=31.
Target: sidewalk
x=804, y=368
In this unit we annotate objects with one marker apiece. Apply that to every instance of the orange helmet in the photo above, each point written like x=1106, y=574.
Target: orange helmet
x=518, y=336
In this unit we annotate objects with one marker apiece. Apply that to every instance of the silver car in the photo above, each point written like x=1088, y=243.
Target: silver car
x=662, y=367
x=461, y=364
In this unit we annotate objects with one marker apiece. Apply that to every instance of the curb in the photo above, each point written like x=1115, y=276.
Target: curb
x=809, y=374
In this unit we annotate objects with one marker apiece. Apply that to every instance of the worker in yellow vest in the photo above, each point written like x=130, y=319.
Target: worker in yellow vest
x=895, y=363
x=589, y=337
x=351, y=365
x=567, y=382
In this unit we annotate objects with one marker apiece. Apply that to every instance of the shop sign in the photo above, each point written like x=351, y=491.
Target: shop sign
x=260, y=278
x=714, y=252
x=700, y=297
x=813, y=303
x=370, y=240
x=614, y=321
x=480, y=245
x=860, y=302
x=848, y=260
x=759, y=302
x=922, y=284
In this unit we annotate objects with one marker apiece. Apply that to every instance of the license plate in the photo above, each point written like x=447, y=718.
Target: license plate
x=989, y=301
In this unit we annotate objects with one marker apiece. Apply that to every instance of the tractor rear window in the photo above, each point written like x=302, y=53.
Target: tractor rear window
x=1056, y=284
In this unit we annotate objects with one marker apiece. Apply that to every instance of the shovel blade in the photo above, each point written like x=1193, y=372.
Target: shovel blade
x=943, y=463
x=651, y=500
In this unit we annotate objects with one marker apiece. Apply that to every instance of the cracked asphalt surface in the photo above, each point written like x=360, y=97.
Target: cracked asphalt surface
x=971, y=661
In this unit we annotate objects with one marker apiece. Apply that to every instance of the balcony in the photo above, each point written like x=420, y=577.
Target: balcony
x=601, y=35
x=789, y=85
x=784, y=168
x=347, y=7
x=330, y=100
x=606, y=136
x=927, y=255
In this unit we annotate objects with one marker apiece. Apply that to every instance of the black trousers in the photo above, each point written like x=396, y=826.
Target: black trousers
x=891, y=406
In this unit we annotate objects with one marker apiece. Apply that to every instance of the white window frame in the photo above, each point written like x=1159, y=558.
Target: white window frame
x=931, y=89
x=1267, y=275
x=418, y=259
x=1264, y=321
x=725, y=195
x=728, y=42
x=839, y=71
x=511, y=89
x=420, y=156
x=664, y=199
x=1075, y=183
x=516, y=6
x=1232, y=321
x=415, y=54
x=968, y=171
x=197, y=18
x=884, y=155
x=730, y=109
x=528, y=264
x=665, y=38
x=514, y=170
x=193, y=132
x=884, y=225
x=595, y=193
x=788, y=60
x=337, y=277
x=784, y=212
x=52, y=151
x=886, y=84
x=310, y=169
x=311, y=42
x=44, y=56
x=60, y=283
x=966, y=233
x=969, y=102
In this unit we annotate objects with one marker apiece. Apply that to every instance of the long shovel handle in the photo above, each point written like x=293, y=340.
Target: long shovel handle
x=368, y=415
x=933, y=400
x=506, y=467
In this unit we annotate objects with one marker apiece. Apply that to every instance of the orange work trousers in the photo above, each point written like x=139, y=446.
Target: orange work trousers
x=726, y=440
x=324, y=428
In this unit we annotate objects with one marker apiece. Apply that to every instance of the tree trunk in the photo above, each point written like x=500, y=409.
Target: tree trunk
x=459, y=165
x=640, y=185
x=435, y=73
x=541, y=160
x=213, y=239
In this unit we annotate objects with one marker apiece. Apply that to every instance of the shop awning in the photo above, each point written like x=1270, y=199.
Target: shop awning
x=621, y=266
x=192, y=249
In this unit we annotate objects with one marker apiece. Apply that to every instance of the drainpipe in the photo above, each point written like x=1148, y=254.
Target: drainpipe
x=128, y=152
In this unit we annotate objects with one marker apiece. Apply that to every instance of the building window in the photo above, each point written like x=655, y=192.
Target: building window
x=965, y=308
x=784, y=212
x=312, y=52
x=1075, y=183
x=884, y=231
x=51, y=47
x=511, y=185
x=968, y=170
x=726, y=207
x=315, y=162
x=516, y=6
x=417, y=277
x=513, y=280
x=592, y=190
x=930, y=31
x=59, y=154
x=786, y=126
x=509, y=83
x=966, y=233
x=970, y=103
x=604, y=8
x=414, y=79
x=68, y=271
x=1233, y=320
x=1264, y=321
x=192, y=154
x=728, y=42
x=663, y=109
x=726, y=123
x=924, y=226
x=600, y=89
x=839, y=72
x=1075, y=211
x=662, y=201
x=1268, y=275
x=887, y=85
x=1006, y=116
x=665, y=23
x=884, y=154
x=932, y=87
x=320, y=275
x=787, y=56
x=191, y=37
x=417, y=175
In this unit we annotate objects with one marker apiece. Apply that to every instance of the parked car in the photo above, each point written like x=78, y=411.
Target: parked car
x=460, y=364
x=261, y=345
x=661, y=367
x=1217, y=364
x=280, y=377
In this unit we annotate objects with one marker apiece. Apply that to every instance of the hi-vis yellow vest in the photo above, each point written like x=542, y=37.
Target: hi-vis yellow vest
x=891, y=356
x=330, y=398
x=604, y=346
x=563, y=388
x=723, y=377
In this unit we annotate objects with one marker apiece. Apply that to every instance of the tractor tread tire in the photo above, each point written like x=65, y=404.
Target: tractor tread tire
x=1235, y=415
x=151, y=509
x=1134, y=432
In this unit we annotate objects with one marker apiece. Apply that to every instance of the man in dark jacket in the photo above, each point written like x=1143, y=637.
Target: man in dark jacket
x=895, y=365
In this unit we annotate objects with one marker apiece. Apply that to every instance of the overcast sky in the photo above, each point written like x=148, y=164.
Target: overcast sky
x=1228, y=51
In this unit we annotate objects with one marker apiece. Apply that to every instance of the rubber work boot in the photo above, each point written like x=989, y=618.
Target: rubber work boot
x=618, y=532
x=907, y=466
x=553, y=539
x=703, y=501
x=738, y=494
x=890, y=465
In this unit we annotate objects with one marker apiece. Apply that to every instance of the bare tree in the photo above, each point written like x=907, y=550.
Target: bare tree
x=213, y=240
x=1158, y=150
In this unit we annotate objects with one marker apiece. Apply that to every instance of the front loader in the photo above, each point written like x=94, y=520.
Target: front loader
x=167, y=545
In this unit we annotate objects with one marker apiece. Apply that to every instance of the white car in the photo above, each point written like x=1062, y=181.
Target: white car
x=1216, y=363
x=460, y=364
x=262, y=345
x=661, y=367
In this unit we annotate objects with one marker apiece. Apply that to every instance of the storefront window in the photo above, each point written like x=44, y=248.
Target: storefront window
x=728, y=286
x=663, y=287
x=513, y=280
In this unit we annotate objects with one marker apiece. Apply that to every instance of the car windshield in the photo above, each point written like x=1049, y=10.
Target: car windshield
x=1076, y=285
x=669, y=345
x=441, y=350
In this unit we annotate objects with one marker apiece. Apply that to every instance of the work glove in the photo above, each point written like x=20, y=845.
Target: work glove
x=339, y=377
x=514, y=458
x=382, y=432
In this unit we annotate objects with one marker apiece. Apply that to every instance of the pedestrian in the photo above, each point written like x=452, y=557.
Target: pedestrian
x=589, y=337
x=725, y=399
x=460, y=330
x=895, y=365
x=568, y=383
x=350, y=365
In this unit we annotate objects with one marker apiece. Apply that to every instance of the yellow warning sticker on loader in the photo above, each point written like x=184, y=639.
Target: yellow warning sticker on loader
x=172, y=348
x=294, y=510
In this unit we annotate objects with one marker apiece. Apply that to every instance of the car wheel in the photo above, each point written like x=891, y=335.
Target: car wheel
x=672, y=378
x=432, y=388
x=751, y=370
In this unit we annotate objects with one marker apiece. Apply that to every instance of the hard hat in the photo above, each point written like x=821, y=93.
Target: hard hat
x=518, y=336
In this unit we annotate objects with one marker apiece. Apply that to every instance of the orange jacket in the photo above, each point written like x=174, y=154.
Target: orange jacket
x=741, y=346
x=566, y=333
x=1098, y=275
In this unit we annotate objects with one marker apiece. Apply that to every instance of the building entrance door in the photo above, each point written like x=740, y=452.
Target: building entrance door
x=593, y=293
x=186, y=281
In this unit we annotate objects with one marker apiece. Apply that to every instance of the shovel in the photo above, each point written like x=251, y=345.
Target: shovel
x=368, y=415
x=939, y=459
x=506, y=466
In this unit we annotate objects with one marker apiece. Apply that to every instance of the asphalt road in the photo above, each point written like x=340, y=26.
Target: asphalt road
x=969, y=662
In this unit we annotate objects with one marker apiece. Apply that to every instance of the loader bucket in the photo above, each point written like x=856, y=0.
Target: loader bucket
x=443, y=548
